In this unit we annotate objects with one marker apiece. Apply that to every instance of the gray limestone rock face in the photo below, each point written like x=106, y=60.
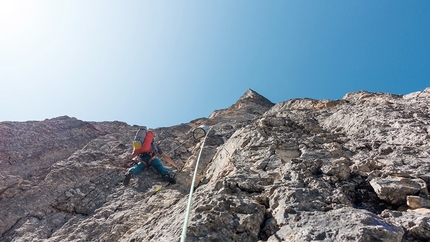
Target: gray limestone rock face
x=417, y=202
x=395, y=189
x=343, y=224
x=355, y=169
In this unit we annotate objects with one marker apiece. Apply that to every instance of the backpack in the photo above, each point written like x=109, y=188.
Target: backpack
x=142, y=141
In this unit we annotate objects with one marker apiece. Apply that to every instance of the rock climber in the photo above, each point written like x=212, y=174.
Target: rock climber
x=147, y=159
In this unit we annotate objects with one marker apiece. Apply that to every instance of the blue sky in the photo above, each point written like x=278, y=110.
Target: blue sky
x=162, y=63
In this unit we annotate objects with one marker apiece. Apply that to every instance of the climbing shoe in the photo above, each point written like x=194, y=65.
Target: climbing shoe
x=168, y=178
x=127, y=178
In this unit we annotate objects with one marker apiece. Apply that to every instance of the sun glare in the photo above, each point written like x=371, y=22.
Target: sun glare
x=25, y=27
x=14, y=16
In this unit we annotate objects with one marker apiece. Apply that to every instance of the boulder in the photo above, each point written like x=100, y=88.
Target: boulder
x=395, y=189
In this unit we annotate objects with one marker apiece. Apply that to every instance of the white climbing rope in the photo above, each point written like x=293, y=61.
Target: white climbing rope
x=190, y=198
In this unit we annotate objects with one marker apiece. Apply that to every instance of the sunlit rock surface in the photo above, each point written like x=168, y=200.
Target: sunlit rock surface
x=355, y=169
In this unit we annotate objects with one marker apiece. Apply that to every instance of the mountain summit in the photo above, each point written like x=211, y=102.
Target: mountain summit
x=254, y=97
x=249, y=105
x=355, y=169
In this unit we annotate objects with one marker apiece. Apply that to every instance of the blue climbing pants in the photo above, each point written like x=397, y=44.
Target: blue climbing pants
x=156, y=163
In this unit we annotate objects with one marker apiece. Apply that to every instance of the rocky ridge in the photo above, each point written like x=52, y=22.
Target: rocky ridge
x=355, y=169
